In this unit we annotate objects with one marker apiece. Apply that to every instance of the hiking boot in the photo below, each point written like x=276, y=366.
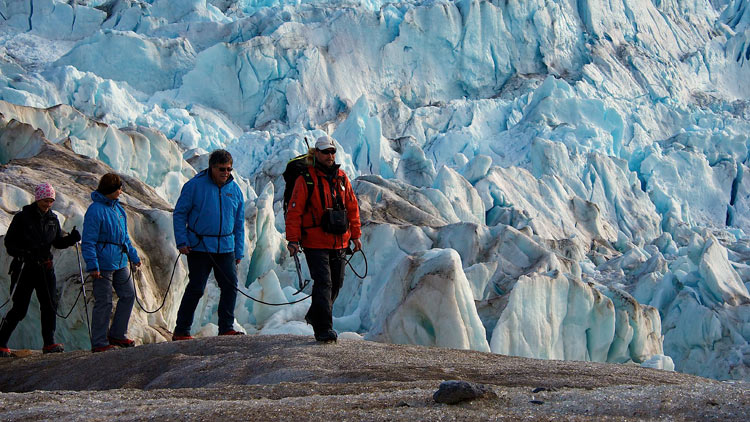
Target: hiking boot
x=121, y=342
x=329, y=336
x=180, y=337
x=5, y=353
x=232, y=333
x=103, y=348
x=53, y=348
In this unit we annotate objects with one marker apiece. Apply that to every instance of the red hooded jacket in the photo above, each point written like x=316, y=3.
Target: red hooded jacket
x=303, y=217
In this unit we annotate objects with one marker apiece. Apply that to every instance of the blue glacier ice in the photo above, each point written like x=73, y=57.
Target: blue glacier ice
x=550, y=179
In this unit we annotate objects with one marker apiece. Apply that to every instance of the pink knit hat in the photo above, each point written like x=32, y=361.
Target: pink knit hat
x=44, y=191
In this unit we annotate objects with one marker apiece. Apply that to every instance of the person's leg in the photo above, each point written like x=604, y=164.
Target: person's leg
x=199, y=266
x=338, y=266
x=319, y=314
x=122, y=282
x=46, y=293
x=21, y=299
x=102, y=309
x=225, y=273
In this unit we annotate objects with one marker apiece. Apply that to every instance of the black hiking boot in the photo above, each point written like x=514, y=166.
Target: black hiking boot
x=329, y=336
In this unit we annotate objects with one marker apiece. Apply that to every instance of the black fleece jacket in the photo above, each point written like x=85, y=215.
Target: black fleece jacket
x=32, y=233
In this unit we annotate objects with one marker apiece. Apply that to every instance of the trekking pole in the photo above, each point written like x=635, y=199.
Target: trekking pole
x=13, y=285
x=302, y=284
x=83, y=290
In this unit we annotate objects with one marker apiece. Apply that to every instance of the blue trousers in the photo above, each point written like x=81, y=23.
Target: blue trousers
x=122, y=283
x=200, y=265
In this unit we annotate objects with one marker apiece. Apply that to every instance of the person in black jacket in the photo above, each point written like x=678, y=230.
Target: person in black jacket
x=30, y=235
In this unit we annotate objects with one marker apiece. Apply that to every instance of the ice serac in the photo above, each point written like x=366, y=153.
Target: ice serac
x=555, y=317
x=153, y=65
x=721, y=281
x=393, y=201
x=140, y=152
x=431, y=304
x=362, y=138
x=465, y=200
x=246, y=81
x=268, y=242
x=52, y=19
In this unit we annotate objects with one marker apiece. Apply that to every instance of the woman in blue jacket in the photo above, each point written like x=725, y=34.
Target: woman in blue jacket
x=106, y=248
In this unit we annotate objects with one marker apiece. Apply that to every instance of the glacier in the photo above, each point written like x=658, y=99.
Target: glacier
x=550, y=179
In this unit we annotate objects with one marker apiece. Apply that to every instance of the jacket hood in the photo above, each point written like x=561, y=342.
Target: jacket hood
x=98, y=197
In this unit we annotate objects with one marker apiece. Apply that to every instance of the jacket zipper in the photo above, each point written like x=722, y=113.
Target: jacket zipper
x=221, y=221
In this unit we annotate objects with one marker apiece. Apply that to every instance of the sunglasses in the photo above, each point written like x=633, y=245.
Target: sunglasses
x=329, y=151
x=224, y=169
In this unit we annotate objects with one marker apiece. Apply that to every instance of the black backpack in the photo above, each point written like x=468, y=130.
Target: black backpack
x=295, y=168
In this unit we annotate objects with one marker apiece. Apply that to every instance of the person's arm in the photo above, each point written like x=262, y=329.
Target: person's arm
x=352, y=213
x=14, y=239
x=180, y=216
x=239, y=228
x=91, y=227
x=294, y=213
x=132, y=253
x=62, y=242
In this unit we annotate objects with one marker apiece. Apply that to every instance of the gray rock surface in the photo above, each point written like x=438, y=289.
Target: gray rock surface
x=293, y=378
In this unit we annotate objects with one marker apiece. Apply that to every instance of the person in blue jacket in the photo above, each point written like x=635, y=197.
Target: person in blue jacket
x=106, y=248
x=209, y=227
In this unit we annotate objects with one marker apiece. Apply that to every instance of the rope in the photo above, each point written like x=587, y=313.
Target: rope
x=348, y=262
x=52, y=302
x=254, y=299
x=216, y=265
x=166, y=293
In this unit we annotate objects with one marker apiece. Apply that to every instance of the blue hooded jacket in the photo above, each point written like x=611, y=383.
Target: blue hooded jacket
x=209, y=218
x=105, y=239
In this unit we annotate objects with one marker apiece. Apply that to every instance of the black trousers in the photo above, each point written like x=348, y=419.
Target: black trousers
x=33, y=277
x=327, y=270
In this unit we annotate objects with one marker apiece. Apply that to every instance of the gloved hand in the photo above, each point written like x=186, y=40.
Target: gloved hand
x=293, y=248
x=74, y=237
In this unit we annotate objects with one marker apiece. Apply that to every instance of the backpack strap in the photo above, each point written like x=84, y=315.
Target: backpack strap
x=307, y=174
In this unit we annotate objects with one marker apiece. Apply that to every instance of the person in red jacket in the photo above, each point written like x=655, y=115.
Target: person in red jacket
x=323, y=226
